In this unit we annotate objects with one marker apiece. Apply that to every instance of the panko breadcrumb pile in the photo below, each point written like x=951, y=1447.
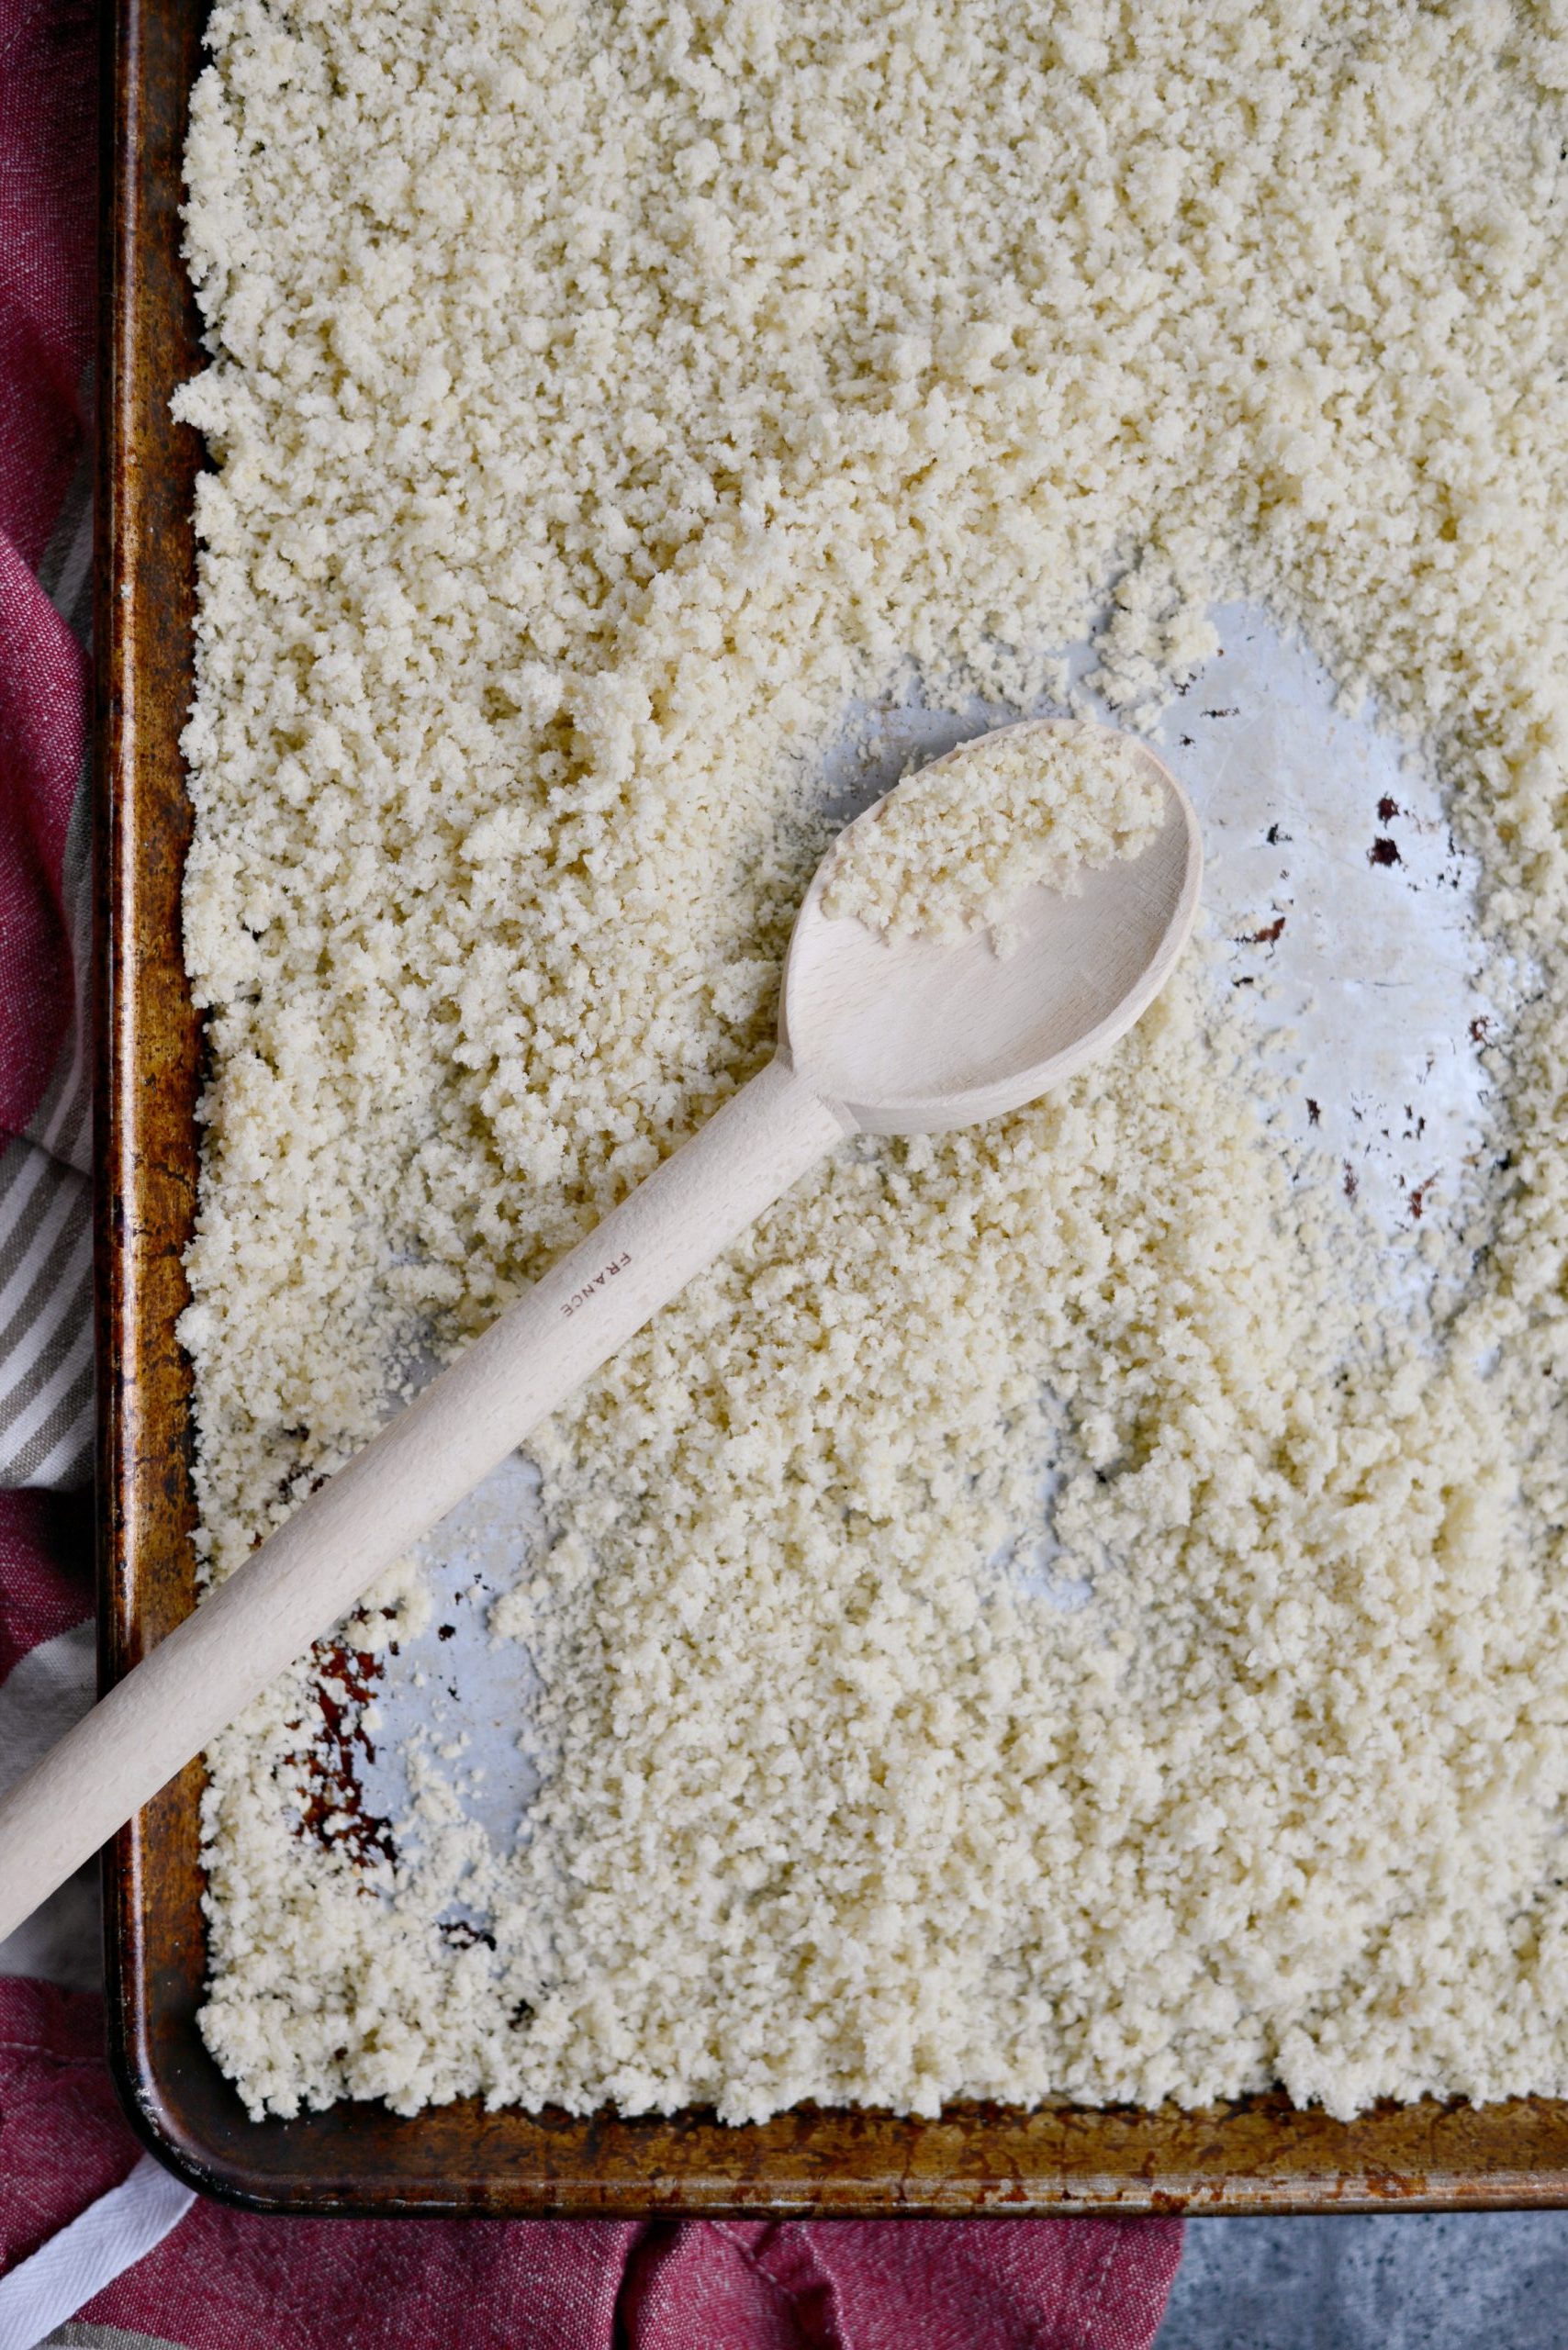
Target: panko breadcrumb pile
x=957, y=845
x=602, y=398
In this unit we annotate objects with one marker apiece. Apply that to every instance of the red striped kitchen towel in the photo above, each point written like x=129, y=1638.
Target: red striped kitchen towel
x=99, y=2245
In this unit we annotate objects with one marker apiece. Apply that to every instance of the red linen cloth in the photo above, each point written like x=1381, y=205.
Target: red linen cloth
x=47, y=202
x=226, y=2280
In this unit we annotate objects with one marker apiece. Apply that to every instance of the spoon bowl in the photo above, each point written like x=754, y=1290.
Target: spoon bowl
x=916, y=1036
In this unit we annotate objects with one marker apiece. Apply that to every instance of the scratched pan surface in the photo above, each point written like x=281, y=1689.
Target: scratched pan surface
x=1342, y=906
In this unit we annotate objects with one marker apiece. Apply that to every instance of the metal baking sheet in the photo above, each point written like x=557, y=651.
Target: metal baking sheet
x=1258, y=2155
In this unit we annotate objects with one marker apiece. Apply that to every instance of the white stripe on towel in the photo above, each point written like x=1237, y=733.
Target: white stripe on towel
x=111, y=2235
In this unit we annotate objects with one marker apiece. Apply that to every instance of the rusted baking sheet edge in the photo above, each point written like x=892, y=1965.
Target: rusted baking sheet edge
x=1258, y=2156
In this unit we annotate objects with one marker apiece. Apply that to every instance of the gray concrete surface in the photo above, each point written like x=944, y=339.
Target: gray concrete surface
x=1400, y=2281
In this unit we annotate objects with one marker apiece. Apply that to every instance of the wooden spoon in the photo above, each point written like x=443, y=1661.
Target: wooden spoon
x=877, y=1035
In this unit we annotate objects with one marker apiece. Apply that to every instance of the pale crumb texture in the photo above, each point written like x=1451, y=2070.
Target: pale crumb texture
x=601, y=398
x=958, y=843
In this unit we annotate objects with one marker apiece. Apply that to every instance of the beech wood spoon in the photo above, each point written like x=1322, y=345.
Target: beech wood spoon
x=877, y=1035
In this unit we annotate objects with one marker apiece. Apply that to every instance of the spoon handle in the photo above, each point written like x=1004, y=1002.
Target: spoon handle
x=299, y=1582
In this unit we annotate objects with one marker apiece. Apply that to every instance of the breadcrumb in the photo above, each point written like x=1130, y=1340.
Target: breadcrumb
x=955, y=845
x=603, y=398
